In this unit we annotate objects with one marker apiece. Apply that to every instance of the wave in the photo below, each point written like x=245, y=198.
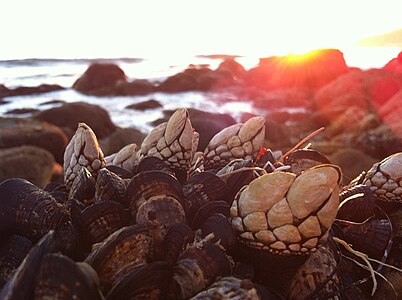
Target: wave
x=50, y=61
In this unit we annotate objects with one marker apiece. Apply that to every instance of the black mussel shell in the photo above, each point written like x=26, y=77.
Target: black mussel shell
x=31, y=212
x=147, y=184
x=372, y=237
x=12, y=253
x=109, y=187
x=207, y=210
x=83, y=187
x=317, y=277
x=119, y=171
x=22, y=283
x=357, y=204
x=220, y=227
x=100, y=220
x=178, y=237
x=234, y=182
x=159, y=213
x=59, y=277
x=229, y=288
x=152, y=163
x=197, y=268
x=55, y=187
x=201, y=188
x=122, y=251
x=304, y=159
x=149, y=281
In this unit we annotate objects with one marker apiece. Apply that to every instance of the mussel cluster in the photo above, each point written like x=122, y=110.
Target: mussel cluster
x=235, y=222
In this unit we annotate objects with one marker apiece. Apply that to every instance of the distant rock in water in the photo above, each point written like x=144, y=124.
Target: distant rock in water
x=149, y=104
x=311, y=70
x=100, y=79
x=395, y=64
x=135, y=88
x=29, y=90
x=29, y=162
x=16, y=132
x=20, y=111
x=69, y=115
x=51, y=102
x=120, y=138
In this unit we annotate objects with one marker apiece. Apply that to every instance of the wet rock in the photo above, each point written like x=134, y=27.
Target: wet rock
x=100, y=79
x=29, y=90
x=149, y=104
x=352, y=162
x=368, y=90
x=283, y=98
x=29, y=162
x=135, y=88
x=69, y=115
x=180, y=82
x=120, y=138
x=394, y=65
x=17, y=132
x=311, y=70
x=232, y=66
x=51, y=102
x=21, y=111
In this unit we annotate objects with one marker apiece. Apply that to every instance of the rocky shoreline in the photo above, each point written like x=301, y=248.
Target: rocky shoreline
x=360, y=109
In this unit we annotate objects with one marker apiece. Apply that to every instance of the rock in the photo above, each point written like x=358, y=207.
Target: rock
x=69, y=115
x=311, y=70
x=135, y=88
x=205, y=123
x=29, y=162
x=394, y=65
x=181, y=82
x=368, y=90
x=231, y=66
x=149, y=104
x=391, y=114
x=352, y=162
x=18, y=132
x=29, y=90
x=20, y=111
x=51, y=102
x=279, y=99
x=100, y=79
x=120, y=138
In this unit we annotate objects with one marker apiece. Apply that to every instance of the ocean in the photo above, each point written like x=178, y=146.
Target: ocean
x=33, y=72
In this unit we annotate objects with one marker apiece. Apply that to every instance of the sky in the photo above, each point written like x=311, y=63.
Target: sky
x=153, y=28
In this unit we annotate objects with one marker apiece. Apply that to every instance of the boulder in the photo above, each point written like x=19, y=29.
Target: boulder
x=135, y=88
x=100, y=79
x=231, y=66
x=311, y=70
x=149, y=104
x=120, y=138
x=21, y=111
x=352, y=162
x=29, y=162
x=181, y=82
x=394, y=65
x=367, y=90
x=18, y=132
x=29, y=90
x=285, y=98
x=69, y=115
